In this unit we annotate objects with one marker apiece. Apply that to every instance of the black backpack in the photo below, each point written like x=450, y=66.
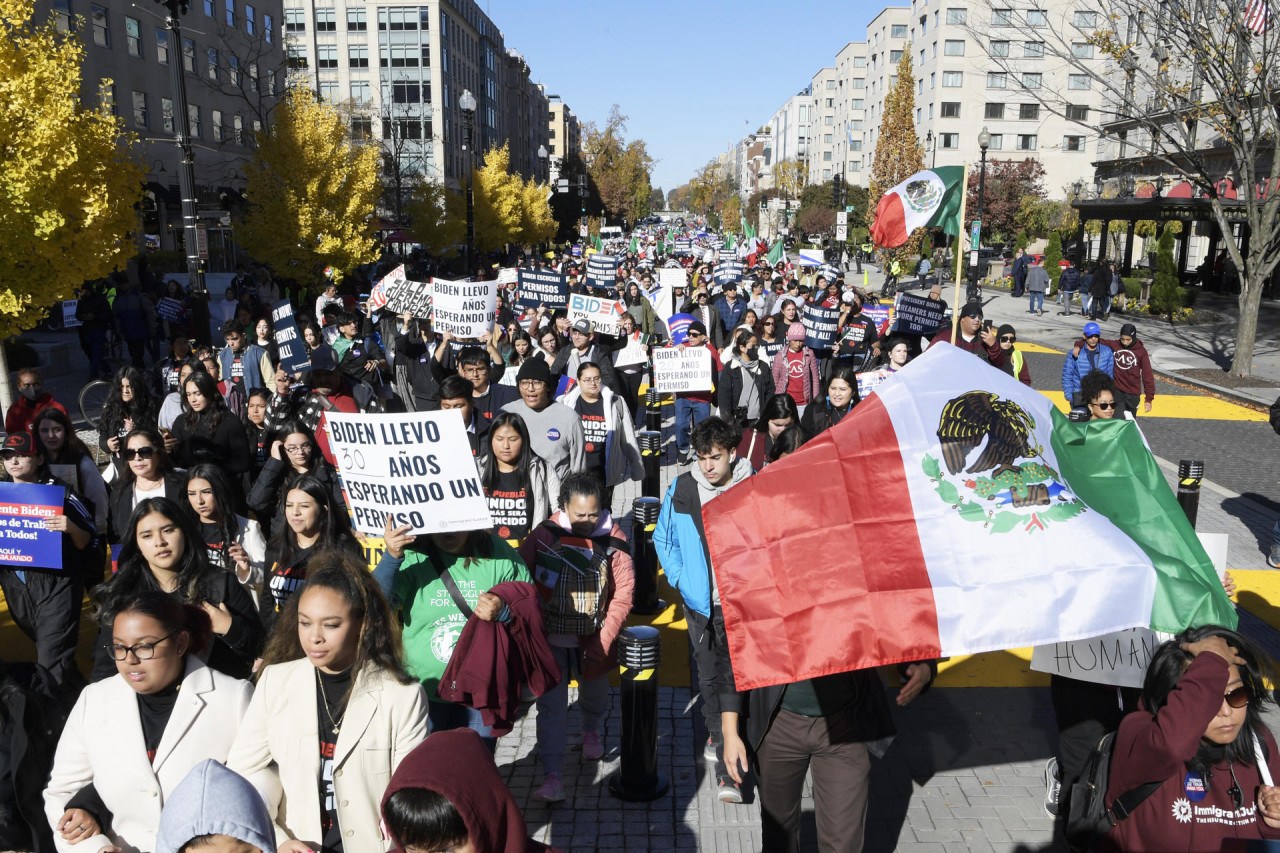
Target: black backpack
x=1089, y=818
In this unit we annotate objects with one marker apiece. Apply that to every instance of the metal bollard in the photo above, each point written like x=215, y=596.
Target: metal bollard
x=638, y=779
x=1190, y=473
x=653, y=410
x=650, y=443
x=644, y=517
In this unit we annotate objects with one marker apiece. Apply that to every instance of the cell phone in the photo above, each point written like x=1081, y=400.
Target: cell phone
x=987, y=324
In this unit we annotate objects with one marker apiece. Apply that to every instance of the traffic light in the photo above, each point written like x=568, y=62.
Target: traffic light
x=837, y=190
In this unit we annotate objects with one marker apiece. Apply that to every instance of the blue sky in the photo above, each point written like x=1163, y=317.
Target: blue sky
x=689, y=75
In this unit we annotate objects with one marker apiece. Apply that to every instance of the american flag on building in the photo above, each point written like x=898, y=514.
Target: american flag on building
x=1257, y=16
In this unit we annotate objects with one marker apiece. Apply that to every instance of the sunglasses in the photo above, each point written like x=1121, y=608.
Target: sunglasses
x=131, y=453
x=973, y=316
x=1008, y=339
x=1238, y=698
x=1105, y=407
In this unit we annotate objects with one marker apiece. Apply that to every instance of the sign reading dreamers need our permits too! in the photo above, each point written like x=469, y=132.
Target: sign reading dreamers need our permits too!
x=417, y=467
x=687, y=369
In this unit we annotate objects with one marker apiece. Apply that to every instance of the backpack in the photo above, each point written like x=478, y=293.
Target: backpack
x=1089, y=818
x=579, y=583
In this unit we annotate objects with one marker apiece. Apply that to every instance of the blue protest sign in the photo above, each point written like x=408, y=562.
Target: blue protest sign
x=682, y=247
x=728, y=273
x=25, y=543
x=602, y=271
x=820, y=326
x=293, y=353
x=542, y=287
x=678, y=327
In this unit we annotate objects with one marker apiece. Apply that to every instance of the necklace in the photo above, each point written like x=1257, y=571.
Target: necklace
x=335, y=724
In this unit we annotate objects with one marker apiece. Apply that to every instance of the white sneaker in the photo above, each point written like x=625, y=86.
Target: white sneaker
x=1052, y=787
x=709, y=749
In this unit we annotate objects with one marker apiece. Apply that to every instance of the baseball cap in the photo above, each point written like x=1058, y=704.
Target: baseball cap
x=19, y=443
x=1092, y=329
x=324, y=357
x=583, y=325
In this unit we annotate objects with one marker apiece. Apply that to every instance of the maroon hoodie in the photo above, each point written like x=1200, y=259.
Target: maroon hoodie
x=1133, y=369
x=457, y=765
x=1186, y=812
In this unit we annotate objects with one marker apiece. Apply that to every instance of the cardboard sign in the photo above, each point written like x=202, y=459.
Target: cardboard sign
x=169, y=309
x=821, y=325
x=378, y=294
x=25, y=542
x=464, y=309
x=293, y=352
x=417, y=467
x=687, y=369
x=918, y=315
x=542, y=287
x=602, y=271
x=507, y=276
x=633, y=352
x=603, y=313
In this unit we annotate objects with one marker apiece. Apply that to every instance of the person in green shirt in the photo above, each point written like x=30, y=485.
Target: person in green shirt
x=410, y=574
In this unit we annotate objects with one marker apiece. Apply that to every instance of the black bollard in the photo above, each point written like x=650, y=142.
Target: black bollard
x=638, y=779
x=644, y=517
x=1190, y=473
x=650, y=443
x=653, y=410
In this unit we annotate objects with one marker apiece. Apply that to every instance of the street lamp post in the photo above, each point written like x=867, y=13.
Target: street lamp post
x=984, y=140
x=542, y=161
x=467, y=103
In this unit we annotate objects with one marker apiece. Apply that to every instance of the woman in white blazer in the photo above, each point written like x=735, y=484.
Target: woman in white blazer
x=333, y=714
x=133, y=737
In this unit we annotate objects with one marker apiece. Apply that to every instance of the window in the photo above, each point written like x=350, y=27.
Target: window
x=327, y=56
x=952, y=79
x=924, y=24
x=831, y=103
x=997, y=142
x=1026, y=142
x=140, y=109
x=358, y=56
x=1073, y=143
x=899, y=31
x=855, y=145
x=208, y=8
x=101, y=35
x=957, y=16
x=826, y=137
x=402, y=129
x=859, y=82
x=948, y=140
x=826, y=156
x=828, y=121
x=855, y=124
x=425, y=14
x=295, y=21
x=426, y=57
x=1031, y=81
x=193, y=121
x=231, y=13
x=296, y=56
x=253, y=78
x=826, y=174
x=855, y=166
x=997, y=79
x=1085, y=20
x=403, y=56
x=162, y=46
x=895, y=56
x=859, y=62
x=62, y=15
x=1037, y=18
x=1029, y=111
x=326, y=20
x=857, y=104
x=920, y=115
x=920, y=87
x=1033, y=50
x=953, y=47
x=328, y=90
x=215, y=124
x=133, y=36
x=250, y=19
x=233, y=69
x=361, y=127
x=360, y=91
x=1081, y=50
x=999, y=48
x=237, y=129
x=399, y=18
x=994, y=110
x=212, y=67
x=268, y=28
x=403, y=92
x=357, y=20
x=1076, y=112
x=189, y=55
x=166, y=115
x=950, y=109
x=831, y=84
x=1078, y=81
x=1001, y=17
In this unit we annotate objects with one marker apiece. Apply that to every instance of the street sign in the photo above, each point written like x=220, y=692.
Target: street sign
x=842, y=218
x=975, y=234
x=842, y=233
x=202, y=241
x=848, y=208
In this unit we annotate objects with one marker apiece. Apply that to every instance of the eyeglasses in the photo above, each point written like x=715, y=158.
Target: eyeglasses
x=589, y=380
x=131, y=453
x=297, y=448
x=1238, y=698
x=141, y=651
x=532, y=384
x=1104, y=406
x=1008, y=339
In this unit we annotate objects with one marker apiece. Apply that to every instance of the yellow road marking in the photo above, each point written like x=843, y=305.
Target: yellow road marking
x=1036, y=348
x=1183, y=407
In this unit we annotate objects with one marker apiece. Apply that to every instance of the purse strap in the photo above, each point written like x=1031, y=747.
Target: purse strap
x=454, y=592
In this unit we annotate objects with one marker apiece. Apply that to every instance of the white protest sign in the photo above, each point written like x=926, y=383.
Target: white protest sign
x=603, y=313
x=69, y=320
x=669, y=278
x=687, y=369
x=416, y=466
x=464, y=309
x=508, y=275
x=378, y=293
x=632, y=353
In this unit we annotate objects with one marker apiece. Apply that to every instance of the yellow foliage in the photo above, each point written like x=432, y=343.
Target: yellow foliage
x=71, y=180
x=498, y=198
x=537, y=225
x=311, y=192
x=731, y=215
x=439, y=218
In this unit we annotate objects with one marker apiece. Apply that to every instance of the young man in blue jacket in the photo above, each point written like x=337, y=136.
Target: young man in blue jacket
x=682, y=549
x=1095, y=355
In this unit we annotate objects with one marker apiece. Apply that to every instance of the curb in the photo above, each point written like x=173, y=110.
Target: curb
x=1213, y=390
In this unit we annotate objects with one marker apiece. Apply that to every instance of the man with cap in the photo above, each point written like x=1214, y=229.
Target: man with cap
x=1132, y=372
x=330, y=391
x=972, y=336
x=1095, y=355
x=585, y=348
x=555, y=430
x=694, y=406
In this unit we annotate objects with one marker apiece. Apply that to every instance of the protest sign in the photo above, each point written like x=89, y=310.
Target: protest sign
x=378, y=294
x=293, y=352
x=869, y=381
x=24, y=541
x=918, y=315
x=811, y=258
x=69, y=320
x=669, y=278
x=464, y=309
x=507, y=275
x=633, y=352
x=687, y=369
x=542, y=287
x=417, y=467
x=829, y=272
x=820, y=326
x=169, y=309
x=728, y=273
x=678, y=327
x=682, y=247
x=410, y=297
x=881, y=316
x=602, y=271
x=603, y=313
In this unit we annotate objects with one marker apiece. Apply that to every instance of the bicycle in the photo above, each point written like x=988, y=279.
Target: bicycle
x=92, y=399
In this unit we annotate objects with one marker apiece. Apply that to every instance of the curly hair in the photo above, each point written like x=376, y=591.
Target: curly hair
x=142, y=409
x=1094, y=383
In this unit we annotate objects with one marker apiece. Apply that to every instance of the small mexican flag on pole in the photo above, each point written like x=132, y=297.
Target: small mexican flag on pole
x=776, y=253
x=928, y=199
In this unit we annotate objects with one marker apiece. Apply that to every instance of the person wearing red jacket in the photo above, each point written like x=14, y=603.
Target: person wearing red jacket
x=32, y=400
x=974, y=336
x=1133, y=375
x=1197, y=734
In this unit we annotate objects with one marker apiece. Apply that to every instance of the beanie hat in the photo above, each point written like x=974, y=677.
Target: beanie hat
x=535, y=369
x=1129, y=329
x=795, y=332
x=1005, y=329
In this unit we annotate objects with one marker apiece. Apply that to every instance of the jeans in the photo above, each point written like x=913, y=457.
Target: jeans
x=553, y=708
x=707, y=640
x=97, y=352
x=688, y=414
x=1036, y=300
x=443, y=716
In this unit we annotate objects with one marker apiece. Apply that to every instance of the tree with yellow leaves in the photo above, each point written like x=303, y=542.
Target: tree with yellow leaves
x=731, y=215
x=498, y=199
x=311, y=192
x=537, y=225
x=438, y=218
x=71, y=181
x=899, y=154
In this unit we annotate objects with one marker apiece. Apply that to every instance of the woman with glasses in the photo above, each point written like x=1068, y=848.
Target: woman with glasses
x=294, y=454
x=613, y=454
x=1014, y=363
x=163, y=552
x=207, y=431
x=549, y=343
x=1098, y=391
x=69, y=460
x=233, y=542
x=147, y=473
x=131, y=738
x=521, y=489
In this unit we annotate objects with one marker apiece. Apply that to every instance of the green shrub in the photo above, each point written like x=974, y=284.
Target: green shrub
x=1166, y=294
x=1132, y=287
x=1052, y=255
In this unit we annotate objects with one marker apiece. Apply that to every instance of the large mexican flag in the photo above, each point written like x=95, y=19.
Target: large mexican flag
x=926, y=199
x=955, y=511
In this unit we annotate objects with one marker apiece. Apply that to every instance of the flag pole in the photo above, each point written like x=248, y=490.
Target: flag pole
x=964, y=197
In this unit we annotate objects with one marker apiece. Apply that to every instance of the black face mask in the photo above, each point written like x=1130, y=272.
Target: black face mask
x=753, y=353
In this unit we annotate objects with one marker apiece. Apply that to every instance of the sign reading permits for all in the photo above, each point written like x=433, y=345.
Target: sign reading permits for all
x=293, y=355
x=417, y=467
x=687, y=369
x=603, y=313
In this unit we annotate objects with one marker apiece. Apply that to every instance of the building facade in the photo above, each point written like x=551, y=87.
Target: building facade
x=790, y=125
x=564, y=134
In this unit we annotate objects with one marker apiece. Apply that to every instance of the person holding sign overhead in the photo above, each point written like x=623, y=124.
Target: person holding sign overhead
x=585, y=348
x=694, y=406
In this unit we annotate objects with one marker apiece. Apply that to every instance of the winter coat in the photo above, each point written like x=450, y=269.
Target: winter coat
x=622, y=459
x=812, y=383
x=732, y=380
x=1133, y=373
x=642, y=312
x=730, y=315
x=1037, y=280
x=1075, y=368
